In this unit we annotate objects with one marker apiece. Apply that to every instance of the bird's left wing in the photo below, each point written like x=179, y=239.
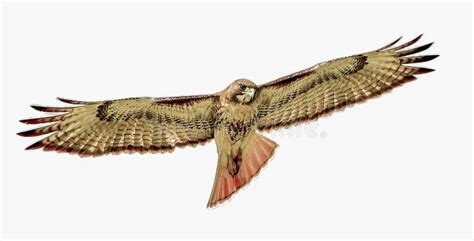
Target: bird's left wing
x=126, y=125
x=335, y=84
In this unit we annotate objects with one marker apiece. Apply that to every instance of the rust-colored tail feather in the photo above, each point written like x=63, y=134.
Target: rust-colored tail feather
x=255, y=155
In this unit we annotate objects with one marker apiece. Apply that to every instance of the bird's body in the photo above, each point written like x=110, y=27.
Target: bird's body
x=236, y=120
x=233, y=117
x=235, y=129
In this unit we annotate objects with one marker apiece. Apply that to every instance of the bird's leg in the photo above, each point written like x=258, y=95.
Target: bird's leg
x=231, y=166
x=235, y=160
x=234, y=164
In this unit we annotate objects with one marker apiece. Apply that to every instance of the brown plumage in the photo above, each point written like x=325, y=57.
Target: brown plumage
x=233, y=117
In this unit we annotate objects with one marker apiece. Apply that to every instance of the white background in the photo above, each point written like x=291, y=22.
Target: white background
x=394, y=167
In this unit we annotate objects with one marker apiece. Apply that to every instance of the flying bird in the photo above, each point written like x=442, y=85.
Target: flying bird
x=233, y=117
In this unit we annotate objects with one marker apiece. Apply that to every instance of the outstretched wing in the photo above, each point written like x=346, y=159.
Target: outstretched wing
x=126, y=125
x=335, y=84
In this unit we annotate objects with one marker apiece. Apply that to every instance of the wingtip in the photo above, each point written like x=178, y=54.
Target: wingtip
x=390, y=44
x=396, y=40
x=34, y=146
x=417, y=38
x=414, y=50
x=426, y=46
x=27, y=133
x=68, y=101
x=38, y=108
x=29, y=121
x=409, y=43
x=424, y=70
x=61, y=99
x=75, y=102
x=431, y=57
x=43, y=119
x=26, y=121
x=52, y=109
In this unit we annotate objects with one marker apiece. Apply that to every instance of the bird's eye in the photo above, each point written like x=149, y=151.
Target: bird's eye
x=242, y=87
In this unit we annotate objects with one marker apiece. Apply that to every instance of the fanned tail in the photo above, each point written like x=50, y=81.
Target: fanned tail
x=255, y=155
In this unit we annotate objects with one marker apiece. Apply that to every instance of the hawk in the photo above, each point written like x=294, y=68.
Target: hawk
x=233, y=117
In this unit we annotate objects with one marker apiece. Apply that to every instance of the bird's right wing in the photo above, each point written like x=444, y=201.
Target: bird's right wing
x=126, y=125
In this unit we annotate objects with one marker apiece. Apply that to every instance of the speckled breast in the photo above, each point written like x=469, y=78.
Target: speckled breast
x=237, y=122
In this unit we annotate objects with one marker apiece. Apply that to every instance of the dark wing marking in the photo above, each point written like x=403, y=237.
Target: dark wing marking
x=126, y=125
x=332, y=85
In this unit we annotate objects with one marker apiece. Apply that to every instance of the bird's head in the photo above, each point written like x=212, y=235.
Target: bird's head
x=242, y=91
